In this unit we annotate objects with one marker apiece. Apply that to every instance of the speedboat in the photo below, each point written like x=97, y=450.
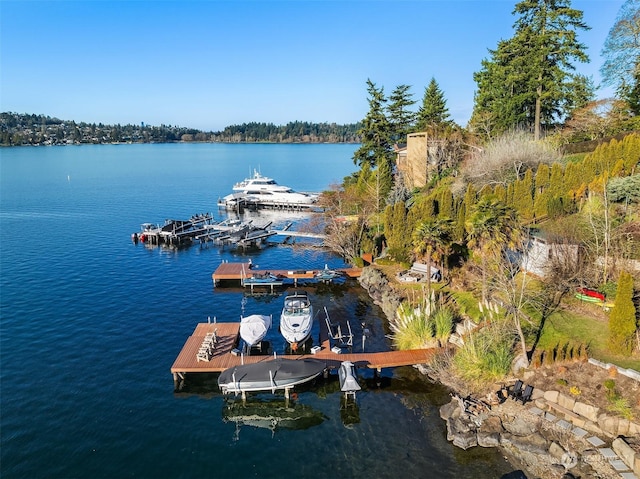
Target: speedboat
x=260, y=189
x=296, y=319
x=270, y=375
x=253, y=328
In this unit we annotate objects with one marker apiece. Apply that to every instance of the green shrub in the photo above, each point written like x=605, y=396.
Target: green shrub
x=620, y=405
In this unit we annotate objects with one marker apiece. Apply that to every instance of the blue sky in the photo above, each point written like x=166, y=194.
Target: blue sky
x=210, y=64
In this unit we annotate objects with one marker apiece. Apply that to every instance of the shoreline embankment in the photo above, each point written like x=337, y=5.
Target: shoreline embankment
x=552, y=436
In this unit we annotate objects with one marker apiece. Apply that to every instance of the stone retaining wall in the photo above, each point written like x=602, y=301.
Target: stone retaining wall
x=590, y=418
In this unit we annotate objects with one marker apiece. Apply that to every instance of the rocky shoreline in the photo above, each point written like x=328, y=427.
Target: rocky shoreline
x=543, y=438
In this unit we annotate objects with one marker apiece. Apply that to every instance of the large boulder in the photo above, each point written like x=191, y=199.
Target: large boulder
x=489, y=432
x=533, y=443
x=520, y=426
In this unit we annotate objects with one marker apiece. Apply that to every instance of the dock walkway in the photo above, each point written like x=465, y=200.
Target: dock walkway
x=227, y=335
x=239, y=271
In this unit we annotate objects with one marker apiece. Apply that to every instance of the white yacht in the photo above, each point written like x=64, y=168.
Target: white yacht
x=296, y=319
x=265, y=191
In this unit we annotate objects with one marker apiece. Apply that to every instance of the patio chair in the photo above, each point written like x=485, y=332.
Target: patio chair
x=526, y=394
x=516, y=390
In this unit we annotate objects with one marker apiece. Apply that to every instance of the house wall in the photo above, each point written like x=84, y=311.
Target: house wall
x=415, y=165
x=538, y=255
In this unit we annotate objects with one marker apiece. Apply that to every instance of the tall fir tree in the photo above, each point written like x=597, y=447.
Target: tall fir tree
x=433, y=113
x=524, y=84
x=401, y=117
x=375, y=142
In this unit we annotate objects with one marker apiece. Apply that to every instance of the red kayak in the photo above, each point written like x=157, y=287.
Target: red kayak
x=591, y=293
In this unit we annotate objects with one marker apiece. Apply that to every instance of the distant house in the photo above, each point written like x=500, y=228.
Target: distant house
x=540, y=254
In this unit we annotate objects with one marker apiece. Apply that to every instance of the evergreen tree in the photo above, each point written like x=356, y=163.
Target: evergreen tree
x=470, y=199
x=401, y=118
x=375, y=144
x=445, y=209
x=523, y=195
x=631, y=153
x=524, y=83
x=541, y=197
x=433, y=113
x=622, y=320
x=579, y=91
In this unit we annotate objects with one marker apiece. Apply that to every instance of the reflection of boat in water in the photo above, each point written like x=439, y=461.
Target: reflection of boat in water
x=253, y=328
x=270, y=375
x=272, y=414
x=296, y=319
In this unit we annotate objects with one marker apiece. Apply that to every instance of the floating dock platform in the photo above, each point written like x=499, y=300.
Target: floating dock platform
x=242, y=271
x=224, y=353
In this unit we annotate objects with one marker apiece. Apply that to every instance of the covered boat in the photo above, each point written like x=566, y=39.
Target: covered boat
x=270, y=375
x=346, y=375
x=296, y=319
x=253, y=328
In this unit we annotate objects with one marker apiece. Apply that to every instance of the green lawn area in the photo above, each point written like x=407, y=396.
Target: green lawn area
x=565, y=326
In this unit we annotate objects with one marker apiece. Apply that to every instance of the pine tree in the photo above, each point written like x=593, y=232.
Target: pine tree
x=401, y=118
x=375, y=142
x=525, y=83
x=433, y=113
x=622, y=320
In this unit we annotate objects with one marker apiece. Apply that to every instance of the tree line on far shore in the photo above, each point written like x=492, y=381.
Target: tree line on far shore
x=18, y=129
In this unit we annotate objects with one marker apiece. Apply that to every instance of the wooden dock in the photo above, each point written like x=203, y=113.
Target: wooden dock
x=238, y=271
x=227, y=335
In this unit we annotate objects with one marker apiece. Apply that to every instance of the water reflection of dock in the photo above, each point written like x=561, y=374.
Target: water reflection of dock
x=227, y=337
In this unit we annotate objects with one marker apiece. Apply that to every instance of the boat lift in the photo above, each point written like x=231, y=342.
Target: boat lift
x=335, y=332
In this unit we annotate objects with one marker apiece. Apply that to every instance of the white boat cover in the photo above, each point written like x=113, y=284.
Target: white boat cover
x=254, y=327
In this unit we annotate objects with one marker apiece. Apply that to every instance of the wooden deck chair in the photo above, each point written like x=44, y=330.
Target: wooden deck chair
x=516, y=390
x=526, y=394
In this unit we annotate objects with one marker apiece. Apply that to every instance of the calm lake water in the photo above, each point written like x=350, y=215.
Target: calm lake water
x=91, y=324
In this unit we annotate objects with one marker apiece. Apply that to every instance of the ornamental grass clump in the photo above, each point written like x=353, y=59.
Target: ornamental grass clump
x=443, y=319
x=486, y=354
x=417, y=327
x=413, y=328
